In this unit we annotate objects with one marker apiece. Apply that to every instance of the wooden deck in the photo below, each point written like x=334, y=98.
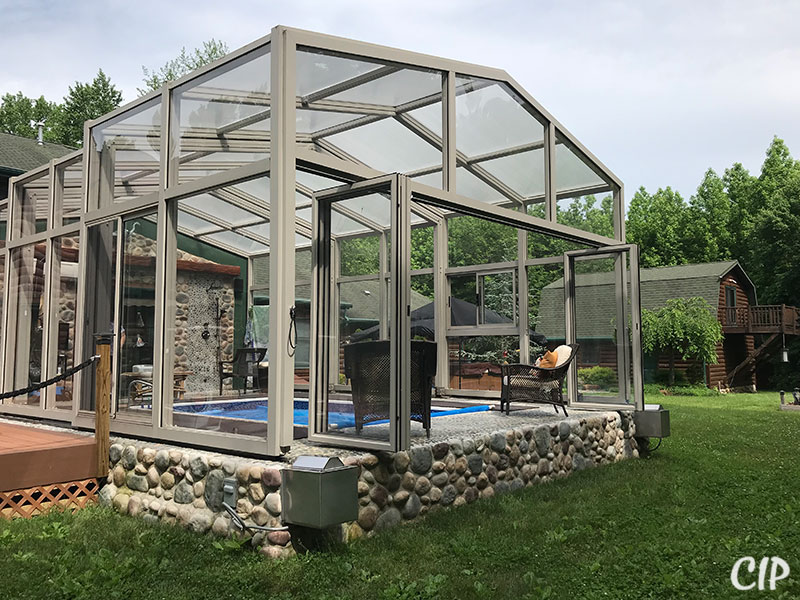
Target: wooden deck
x=32, y=457
x=764, y=318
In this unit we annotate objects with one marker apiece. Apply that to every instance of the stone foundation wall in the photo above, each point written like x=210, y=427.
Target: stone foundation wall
x=185, y=487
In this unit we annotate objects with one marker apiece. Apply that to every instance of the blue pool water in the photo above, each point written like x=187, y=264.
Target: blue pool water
x=256, y=410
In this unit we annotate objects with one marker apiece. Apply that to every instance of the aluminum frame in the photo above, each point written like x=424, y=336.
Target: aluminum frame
x=288, y=152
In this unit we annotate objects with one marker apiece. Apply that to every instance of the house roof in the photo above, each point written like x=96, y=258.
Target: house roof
x=596, y=302
x=19, y=154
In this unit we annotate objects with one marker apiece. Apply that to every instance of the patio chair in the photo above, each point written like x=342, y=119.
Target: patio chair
x=243, y=368
x=537, y=385
x=367, y=366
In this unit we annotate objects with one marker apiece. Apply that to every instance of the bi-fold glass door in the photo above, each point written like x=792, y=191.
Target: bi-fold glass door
x=120, y=299
x=360, y=326
x=603, y=317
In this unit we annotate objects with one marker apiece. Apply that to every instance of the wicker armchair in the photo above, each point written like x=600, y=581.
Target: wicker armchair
x=528, y=383
x=367, y=366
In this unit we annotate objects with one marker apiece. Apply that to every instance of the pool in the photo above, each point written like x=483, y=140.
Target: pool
x=340, y=415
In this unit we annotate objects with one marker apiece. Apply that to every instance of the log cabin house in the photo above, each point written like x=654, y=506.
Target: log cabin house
x=751, y=331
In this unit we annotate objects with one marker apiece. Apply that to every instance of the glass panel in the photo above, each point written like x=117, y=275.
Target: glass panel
x=128, y=151
x=32, y=205
x=27, y=292
x=224, y=117
x=475, y=241
x=71, y=201
x=3, y=237
x=475, y=361
x=546, y=306
x=601, y=334
x=380, y=115
x=388, y=146
x=137, y=317
x=523, y=172
x=220, y=365
x=490, y=117
x=355, y=350
x=571, y=171
x=464, y=300
x=588, y=213
x=64, y=297
x=541, y=245
x=502, y=140
x=498, y=295
x=101, y=259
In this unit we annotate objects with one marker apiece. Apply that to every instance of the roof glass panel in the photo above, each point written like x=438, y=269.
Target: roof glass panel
x=388, y=146
x=490, y=117
x=224, y=116
x=129, y=146
x=237, y=242
x=474, y=187
x=523, y=172
x=316, y=71
x=316, y=182
x=194, y=225
x=395, y=88
x=374, y=207
x=572, y=172
x=221, y=210
x=314, y=121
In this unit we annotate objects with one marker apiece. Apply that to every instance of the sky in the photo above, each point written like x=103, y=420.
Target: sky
x=659, y=91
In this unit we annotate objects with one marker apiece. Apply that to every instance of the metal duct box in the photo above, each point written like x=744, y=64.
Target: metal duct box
x=319, y=491
x=653, y=421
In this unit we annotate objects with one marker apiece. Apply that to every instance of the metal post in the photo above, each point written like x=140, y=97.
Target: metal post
x=102, y=406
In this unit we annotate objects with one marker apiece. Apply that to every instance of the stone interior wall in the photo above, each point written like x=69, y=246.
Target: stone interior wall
x=185, y=488
x=196, y=296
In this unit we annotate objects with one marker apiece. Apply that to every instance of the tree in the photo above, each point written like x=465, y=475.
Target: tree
x=657, y=223
x=186, y=62
x=583, y=213
x=83, y=102
x=708, y=237
x=19, y=114
x=685, y=327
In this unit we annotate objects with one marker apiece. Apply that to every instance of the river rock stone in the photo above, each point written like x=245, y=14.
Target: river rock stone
x=401, y=462
x=440, y=450
x=167, y=480
x=134, y=505
x=449, y=494
x=220, y=527
x=137, y=482
x=475, y=463
x=271, y=478
x=153, y=478
x=140, y=469
x=114, y=453
x=421, y=459
x=107, y=494
x=200, y=522
x=440, y=479
x=273, y=504
x=400, y=497
x=498, y=442
x=118, y=476
x=541, y=436
x=379, y=495
x=198, y=466
x=279, y=538
x=256, y=492
x=128, y=457
x=243, y=474
x=367, y=517
x=409, y=481
x=435, y=495
x=259, y=515
x=213, y=493
x=184, y=493
x=411, y=507
x=388, y=519
x=422, y=486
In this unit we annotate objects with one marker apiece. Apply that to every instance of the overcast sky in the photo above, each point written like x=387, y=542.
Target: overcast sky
x=659, y=91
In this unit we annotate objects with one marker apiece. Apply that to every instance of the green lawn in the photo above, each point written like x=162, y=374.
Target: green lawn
x=725, y=485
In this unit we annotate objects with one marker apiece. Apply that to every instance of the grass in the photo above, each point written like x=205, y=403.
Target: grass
x=725, y=485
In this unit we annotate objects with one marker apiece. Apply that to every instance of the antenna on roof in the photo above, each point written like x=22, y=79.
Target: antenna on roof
x=40, y=133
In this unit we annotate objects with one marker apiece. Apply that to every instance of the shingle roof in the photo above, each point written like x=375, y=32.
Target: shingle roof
x=20, y=154
x=596, y=308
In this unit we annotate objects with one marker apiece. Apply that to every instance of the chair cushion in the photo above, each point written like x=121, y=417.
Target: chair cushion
x=563, y=352
x=549, y=360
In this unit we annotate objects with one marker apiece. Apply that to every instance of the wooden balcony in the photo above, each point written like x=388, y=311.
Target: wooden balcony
x=767, y=318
